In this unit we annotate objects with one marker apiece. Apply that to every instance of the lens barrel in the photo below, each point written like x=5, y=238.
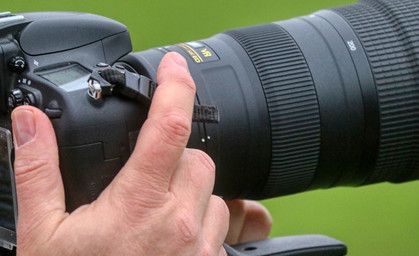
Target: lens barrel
x=340, y=116
x=389, y=31
x=330, y=99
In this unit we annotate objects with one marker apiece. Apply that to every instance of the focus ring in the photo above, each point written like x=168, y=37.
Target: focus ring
x=292, y=104
x=389, y=32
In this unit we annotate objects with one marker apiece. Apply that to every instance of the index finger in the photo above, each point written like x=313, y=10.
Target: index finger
x=166, y=131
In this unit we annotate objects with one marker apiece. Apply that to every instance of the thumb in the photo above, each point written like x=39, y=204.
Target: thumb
x=38, y=180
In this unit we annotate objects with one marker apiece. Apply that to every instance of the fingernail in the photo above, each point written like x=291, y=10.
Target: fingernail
x=178, y=59
x=24, y=127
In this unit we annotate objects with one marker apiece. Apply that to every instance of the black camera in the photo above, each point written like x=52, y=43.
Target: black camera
x=329, y=99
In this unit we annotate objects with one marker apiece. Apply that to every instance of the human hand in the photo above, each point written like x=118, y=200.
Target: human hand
x=249, y=221
x=160, y=203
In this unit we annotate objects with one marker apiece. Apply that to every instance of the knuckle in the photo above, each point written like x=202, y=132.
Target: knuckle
x=207, y=250
x=268, y=224
x=203, y=159
x=125, y=196
x=210, y=249
x=26, y=169
x=175, y=127
x=223, y=252
x=186, y=80
x=237, y=206
x=187, y=228
x=221, y=208
x=202, y=169
x=259, y=214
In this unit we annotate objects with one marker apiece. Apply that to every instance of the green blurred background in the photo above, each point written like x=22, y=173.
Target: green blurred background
x=375, y=220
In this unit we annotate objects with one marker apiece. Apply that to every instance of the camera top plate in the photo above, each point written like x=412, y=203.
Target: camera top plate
x=7, y=17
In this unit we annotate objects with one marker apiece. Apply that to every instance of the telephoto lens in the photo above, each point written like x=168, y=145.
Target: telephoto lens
x=330, y=99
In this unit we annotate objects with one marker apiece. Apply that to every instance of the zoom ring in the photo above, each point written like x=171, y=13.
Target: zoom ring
x=292, y=105
x=389, y=32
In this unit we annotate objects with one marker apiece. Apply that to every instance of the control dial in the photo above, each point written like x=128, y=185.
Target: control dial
x=15, y=99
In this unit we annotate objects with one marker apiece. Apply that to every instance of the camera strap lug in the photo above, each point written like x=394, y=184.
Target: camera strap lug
x=109, y=81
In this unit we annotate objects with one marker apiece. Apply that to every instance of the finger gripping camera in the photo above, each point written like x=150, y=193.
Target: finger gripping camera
x=325, y=100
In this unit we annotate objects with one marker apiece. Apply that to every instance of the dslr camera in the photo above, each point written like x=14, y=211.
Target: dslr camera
x=325, y=100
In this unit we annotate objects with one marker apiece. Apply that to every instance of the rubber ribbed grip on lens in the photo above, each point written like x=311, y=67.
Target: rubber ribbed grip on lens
x=292, y=104
x=389, y=32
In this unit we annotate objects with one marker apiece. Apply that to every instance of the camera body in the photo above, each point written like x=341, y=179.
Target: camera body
x=47, y=59
x=286, y=92
x=314, y=102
